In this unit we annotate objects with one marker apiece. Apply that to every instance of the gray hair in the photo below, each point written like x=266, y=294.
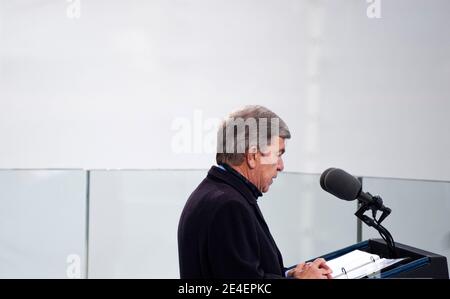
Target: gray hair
x=250, y=126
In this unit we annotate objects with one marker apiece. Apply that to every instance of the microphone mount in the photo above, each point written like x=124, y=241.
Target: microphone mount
x=376, y=204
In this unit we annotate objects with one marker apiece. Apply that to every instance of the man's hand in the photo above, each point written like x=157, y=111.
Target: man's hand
x=315, y=270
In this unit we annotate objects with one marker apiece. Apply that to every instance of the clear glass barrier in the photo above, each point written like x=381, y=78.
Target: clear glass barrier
x=43, y=223
x=420, y=212
x=133, y=220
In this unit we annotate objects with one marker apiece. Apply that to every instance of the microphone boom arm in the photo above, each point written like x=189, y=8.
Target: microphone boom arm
x=377, y=205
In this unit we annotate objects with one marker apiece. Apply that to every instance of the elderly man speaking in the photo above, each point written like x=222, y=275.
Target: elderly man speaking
x=222, y=232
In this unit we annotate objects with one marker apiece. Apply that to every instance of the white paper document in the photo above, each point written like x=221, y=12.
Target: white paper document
x=358, y=264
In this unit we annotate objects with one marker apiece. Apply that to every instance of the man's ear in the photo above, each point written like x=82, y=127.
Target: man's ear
x=251, y=157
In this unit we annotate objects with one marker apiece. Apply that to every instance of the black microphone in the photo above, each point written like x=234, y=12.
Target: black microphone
x=345, y=186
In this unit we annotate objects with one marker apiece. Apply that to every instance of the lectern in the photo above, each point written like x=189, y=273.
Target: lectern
x=418, y=263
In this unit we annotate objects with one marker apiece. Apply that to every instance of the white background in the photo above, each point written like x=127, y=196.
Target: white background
x=102, y=91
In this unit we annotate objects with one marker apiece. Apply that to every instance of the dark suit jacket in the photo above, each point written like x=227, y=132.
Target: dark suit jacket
x=222, y=233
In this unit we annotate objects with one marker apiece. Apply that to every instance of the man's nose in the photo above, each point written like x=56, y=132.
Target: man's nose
x=280, y=165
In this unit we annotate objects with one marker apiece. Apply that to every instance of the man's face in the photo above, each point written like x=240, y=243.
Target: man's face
x=271, y=163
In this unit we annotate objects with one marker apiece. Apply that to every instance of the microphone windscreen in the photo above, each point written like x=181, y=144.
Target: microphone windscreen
x=323, y=176
x=340, y=183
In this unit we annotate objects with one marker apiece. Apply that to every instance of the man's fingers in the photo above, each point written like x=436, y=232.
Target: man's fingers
x=326, y=271
x=321, y=263
x=325, y=274
x=300, y=267
x=325, y=266
x=318, y=262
